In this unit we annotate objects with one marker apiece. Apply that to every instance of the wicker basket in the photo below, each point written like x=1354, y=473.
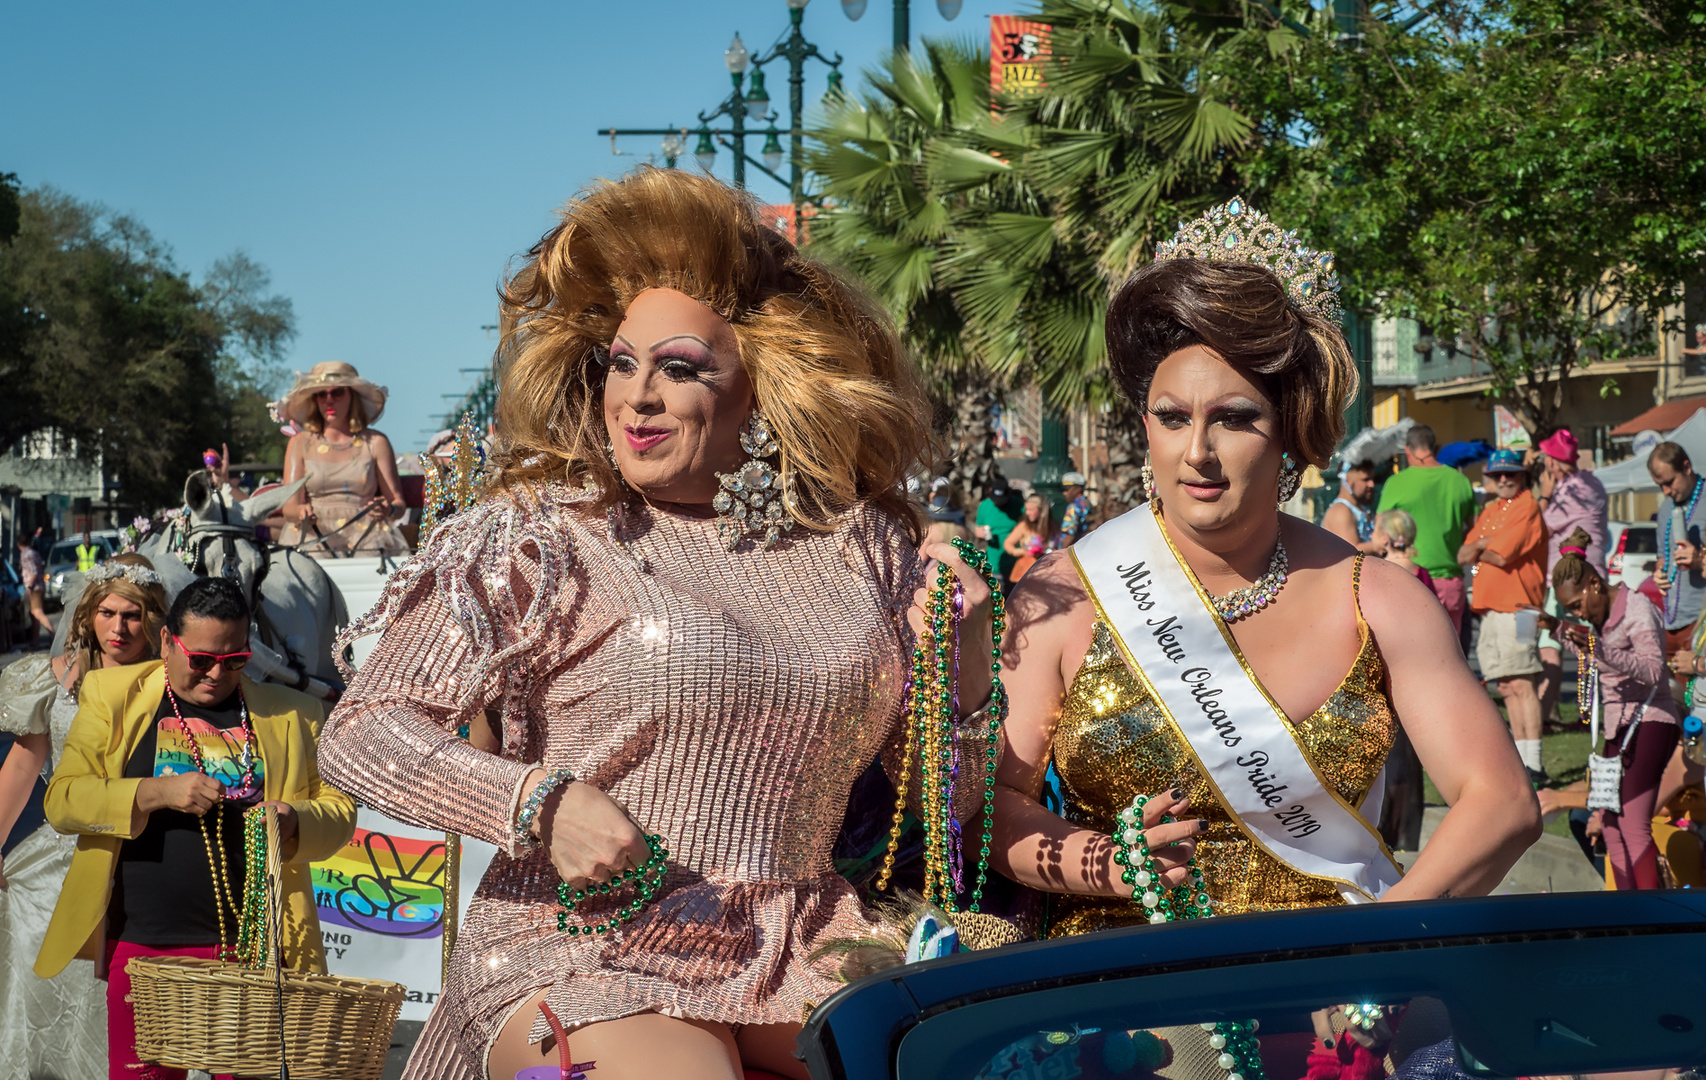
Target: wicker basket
x=221, y=1017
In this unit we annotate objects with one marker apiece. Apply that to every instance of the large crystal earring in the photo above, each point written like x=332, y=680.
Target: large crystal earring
x=750, y=502
x=1147, y=476
x=1290, y=476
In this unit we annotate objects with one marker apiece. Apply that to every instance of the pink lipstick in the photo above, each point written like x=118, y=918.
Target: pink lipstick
x=642, y=438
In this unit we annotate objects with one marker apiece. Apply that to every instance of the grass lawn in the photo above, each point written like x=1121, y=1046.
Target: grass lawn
x=1564, y=755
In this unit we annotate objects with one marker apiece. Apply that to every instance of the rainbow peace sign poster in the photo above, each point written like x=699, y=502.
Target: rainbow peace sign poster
x=381, y=905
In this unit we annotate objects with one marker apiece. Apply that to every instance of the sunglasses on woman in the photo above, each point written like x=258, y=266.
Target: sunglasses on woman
x=204, y=661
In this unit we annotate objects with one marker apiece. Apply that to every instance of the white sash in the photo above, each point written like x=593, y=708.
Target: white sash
x=1178, y=646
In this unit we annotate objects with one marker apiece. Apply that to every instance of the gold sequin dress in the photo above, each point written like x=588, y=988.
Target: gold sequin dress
x=1113, y=742
x=727, y=699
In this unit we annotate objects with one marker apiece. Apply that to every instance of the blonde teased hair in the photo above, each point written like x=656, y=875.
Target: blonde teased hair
x=845, y=402
x=83, y=647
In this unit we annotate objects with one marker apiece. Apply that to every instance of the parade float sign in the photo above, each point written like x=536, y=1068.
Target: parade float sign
x=1018, y=49
x=381, y=905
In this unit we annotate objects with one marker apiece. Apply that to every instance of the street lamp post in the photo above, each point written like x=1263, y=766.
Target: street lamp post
x=754, y=105
x=734, y=106
x=797, y=50
x=855, y=9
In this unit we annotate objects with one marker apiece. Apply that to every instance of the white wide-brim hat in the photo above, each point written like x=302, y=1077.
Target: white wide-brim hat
x=298, y=405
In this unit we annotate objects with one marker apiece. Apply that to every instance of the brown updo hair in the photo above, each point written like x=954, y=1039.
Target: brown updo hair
x=846, y=403
x=1243, y=313
x=81, y=644
x=1573, y=567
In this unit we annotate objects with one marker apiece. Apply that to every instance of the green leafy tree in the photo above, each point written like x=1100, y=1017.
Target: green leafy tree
x=254, y=327
x=1524, y=177
x=121, y=354
x=20, y=405
x=10, y=207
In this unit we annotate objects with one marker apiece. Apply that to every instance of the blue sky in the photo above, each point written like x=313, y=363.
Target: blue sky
x=385, y=161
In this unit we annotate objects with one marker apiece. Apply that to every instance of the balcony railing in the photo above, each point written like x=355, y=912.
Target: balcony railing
x=1440, y=366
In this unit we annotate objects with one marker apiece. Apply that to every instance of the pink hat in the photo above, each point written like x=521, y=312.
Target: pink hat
x=1560, y=445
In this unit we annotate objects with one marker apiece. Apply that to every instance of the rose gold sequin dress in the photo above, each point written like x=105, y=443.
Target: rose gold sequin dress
x=727, y=699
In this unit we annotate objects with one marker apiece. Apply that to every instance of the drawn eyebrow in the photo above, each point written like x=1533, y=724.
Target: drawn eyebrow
x=1243, y=405
x=678, y=337
x=623, y=340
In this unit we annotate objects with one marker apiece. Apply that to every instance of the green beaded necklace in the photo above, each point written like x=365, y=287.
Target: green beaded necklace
x=932, y=707
x=1240, y=1051
x=1187, y=901
x=646, y=880
x=251, y=926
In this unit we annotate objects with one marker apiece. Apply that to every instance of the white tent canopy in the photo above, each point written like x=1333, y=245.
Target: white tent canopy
x=1631, y=473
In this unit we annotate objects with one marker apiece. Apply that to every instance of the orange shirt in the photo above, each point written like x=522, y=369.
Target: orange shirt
x=1519, y=535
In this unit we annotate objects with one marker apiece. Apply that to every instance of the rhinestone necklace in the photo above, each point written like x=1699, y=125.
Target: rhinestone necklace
x=1242, y=603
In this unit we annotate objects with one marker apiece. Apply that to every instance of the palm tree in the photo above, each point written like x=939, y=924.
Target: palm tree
x=893, y=166
x=997, y=237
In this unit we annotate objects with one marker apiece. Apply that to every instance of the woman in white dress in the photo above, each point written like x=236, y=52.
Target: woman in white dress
x=57, y=1028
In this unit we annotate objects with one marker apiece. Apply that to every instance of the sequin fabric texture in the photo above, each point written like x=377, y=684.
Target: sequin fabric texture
x=1114, y=742
x=727, y=699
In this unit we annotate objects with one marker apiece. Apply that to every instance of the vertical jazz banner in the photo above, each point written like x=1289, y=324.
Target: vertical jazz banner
x=1018, y=49
x=381, y=905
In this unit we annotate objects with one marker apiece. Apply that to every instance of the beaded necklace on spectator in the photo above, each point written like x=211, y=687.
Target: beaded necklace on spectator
x=224, y=898
x=250, y=752
x=1671, y=599
x=1587, y=674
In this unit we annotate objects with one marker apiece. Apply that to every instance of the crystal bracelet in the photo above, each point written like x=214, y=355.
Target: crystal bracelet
x=535, y=800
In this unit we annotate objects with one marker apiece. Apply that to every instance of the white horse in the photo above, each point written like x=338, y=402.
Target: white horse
x=297, y=608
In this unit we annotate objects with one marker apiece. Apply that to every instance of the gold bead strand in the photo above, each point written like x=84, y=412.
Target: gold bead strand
x=909, y=721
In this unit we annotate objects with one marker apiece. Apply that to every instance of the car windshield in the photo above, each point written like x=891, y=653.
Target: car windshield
x=1554, y=986
x=1405, y=1037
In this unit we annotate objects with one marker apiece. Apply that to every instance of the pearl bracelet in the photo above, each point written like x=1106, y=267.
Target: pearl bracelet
x=535, y=800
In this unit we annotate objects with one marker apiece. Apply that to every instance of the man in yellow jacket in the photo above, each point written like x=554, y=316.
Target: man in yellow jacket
x=160, y=764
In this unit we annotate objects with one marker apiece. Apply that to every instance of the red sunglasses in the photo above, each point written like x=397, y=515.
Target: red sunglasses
x=204, y=661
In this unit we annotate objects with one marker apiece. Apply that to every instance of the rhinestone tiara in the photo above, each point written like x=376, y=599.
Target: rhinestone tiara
x=1238, y=232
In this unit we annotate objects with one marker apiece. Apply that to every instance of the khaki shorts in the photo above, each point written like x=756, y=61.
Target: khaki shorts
x=1501, y=654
